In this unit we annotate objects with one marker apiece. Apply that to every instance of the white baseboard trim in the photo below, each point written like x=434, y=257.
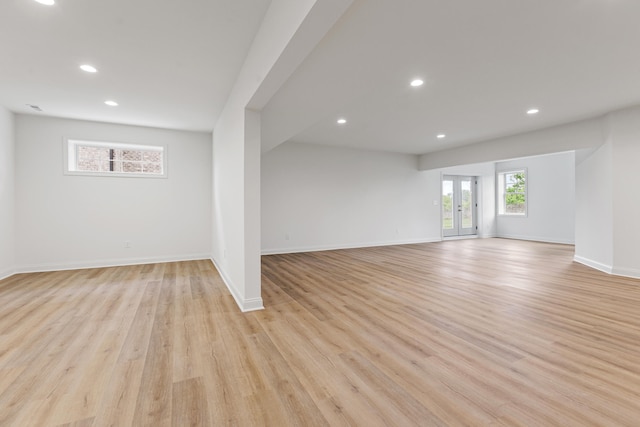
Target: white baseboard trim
x=293, y=250
x=593, y=264
x=252, y=304
x=6, y=274
x=487, y=236
x=39, y=268
x=465, y=237
x=536, y=239
x=616, y=271
x=626, y=272
x=245, y=305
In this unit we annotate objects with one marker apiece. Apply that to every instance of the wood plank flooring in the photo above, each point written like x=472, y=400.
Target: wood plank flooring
x=484, y=332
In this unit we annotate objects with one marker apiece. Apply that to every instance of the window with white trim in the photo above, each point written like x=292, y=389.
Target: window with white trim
x=114, y=159
x=512, y=192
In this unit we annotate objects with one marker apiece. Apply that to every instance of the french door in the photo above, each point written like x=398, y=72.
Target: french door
x=458, y=205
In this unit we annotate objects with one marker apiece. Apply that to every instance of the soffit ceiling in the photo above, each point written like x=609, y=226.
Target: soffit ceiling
x=168, y=64
x=484, y=64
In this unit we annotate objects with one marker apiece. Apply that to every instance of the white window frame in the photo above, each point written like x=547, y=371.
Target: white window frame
x=70, y=146
x=501, y=193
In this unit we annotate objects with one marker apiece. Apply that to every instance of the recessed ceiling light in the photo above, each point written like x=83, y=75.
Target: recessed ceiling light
x=533, y=111
x=441, y=135
x=417, y=83
x=46, y=2
x=88, y=68
x=342, y=121
x=111, y=103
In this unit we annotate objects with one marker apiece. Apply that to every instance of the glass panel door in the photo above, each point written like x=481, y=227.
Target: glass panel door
x=458, y=205
x=448, y=214
x=467, y=206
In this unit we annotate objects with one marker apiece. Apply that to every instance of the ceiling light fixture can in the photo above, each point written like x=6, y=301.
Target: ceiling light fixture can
x=46, y=2
x=88, y=68
x=342, y=121
x=111, y=103
x=441, y=135
x=532, y=111
x=417, y=82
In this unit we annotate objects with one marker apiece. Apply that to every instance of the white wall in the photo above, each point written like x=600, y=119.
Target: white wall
x=228, y=202
x=594, y=208
x=7, y=193
x=550, y=200
x=66, y=221
x=625, y=134
x=317, y=197
x=607, y=202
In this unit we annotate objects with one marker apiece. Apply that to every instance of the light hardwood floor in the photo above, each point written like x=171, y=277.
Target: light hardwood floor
x=477, y=332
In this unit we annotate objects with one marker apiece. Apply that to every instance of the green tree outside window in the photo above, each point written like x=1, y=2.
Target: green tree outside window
x=515, y=193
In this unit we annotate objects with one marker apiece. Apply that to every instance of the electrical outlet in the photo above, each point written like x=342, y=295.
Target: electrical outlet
x=127, y=244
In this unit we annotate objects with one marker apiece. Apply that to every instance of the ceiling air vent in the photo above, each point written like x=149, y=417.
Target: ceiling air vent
x=35, y=107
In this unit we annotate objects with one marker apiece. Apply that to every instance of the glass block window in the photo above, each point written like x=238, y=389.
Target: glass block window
x=118, y=159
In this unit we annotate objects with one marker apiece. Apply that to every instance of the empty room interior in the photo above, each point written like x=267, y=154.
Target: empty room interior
x=319, y=213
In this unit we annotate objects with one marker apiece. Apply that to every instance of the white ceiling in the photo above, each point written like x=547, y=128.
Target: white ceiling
x=168, y=63
x=172, y=64
x=484, y=64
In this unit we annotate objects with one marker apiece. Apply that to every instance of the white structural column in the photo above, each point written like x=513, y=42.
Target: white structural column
x=594, y=207
x=289, y=31
x=607, y=198
x=253, y=300
x=625, y=136
x=7, y=193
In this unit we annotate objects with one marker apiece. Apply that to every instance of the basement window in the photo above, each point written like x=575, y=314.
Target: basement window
x=114, y=159
x=512, y=192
